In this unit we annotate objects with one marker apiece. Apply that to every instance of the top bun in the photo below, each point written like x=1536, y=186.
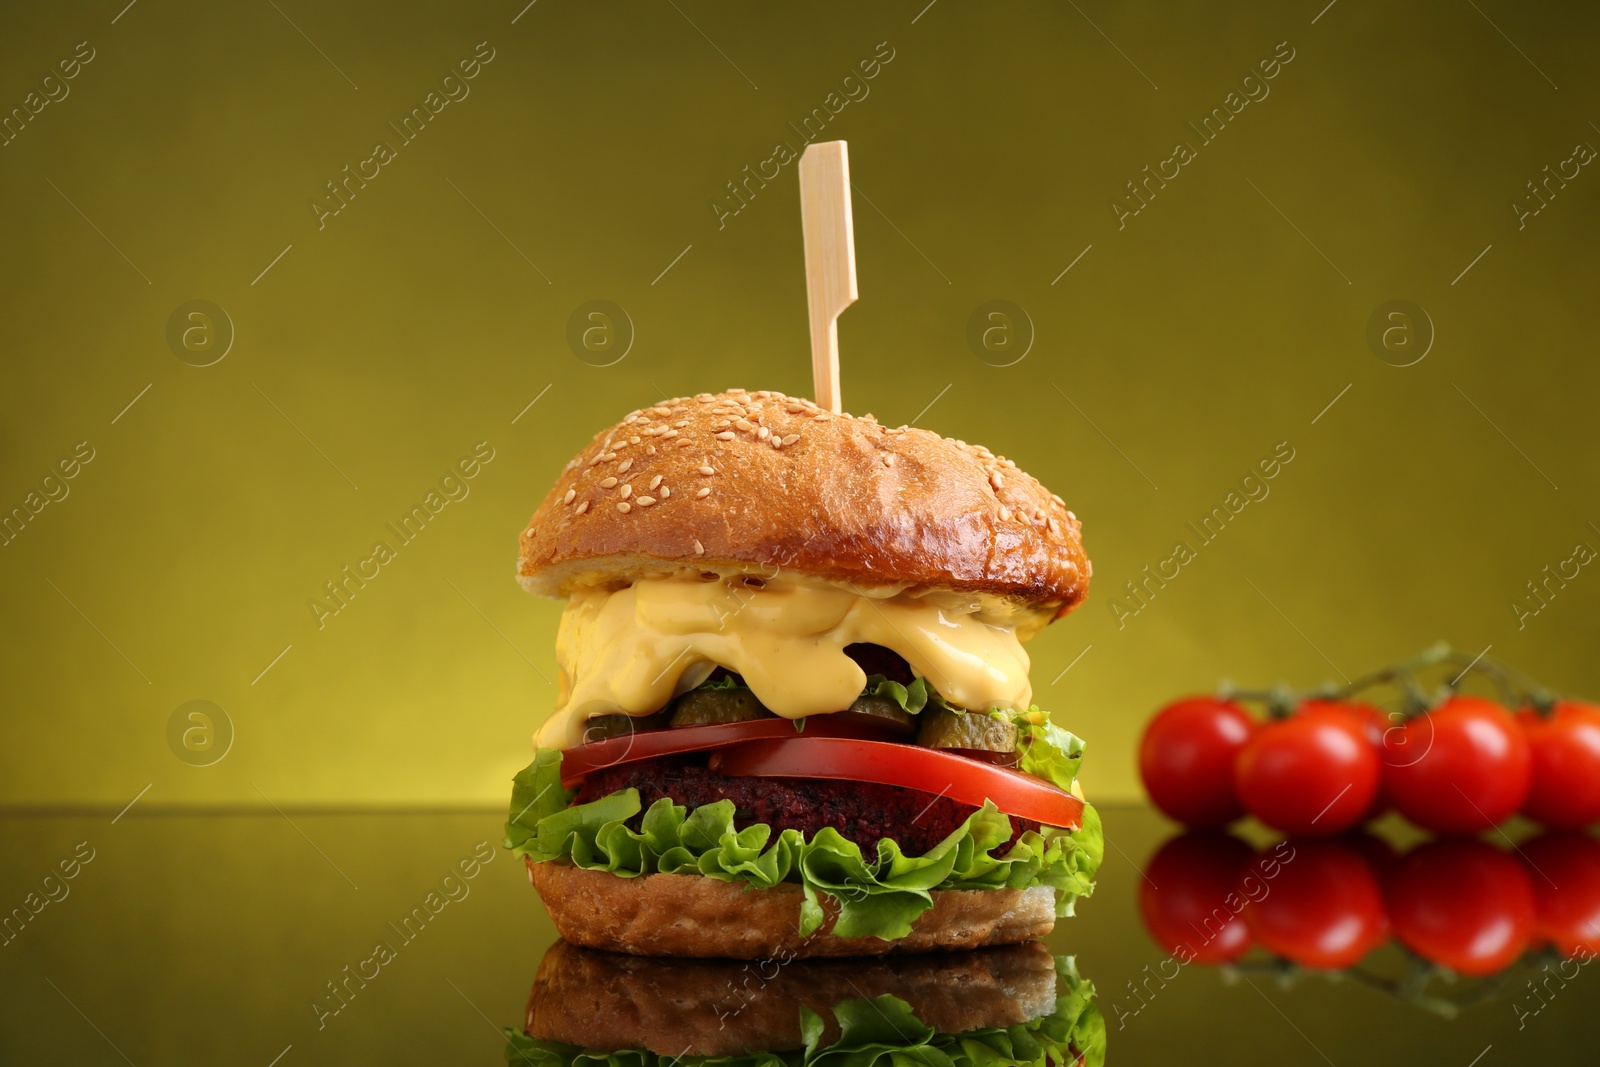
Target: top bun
x=746, y=480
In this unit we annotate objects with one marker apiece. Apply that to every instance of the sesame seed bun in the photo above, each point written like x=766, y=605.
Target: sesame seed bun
x=757, y=480
x=692, y=915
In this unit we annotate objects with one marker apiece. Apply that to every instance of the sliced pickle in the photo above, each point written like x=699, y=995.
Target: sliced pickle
x=882, y=708
x=941, y=728
x=704, y=707
x=602, y=727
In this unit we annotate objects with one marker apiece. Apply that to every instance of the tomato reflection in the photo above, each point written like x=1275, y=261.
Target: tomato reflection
x=1187, y=897
x=1316, y=903
x=1462, y=906
x=1565, y=874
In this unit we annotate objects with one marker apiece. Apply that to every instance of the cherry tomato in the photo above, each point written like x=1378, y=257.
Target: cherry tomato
x=1463, y=904
x=1187, y=897
x=1565, y=790
x=1314, y=773
x=1566, y=888
x=1460, y=768
x=909, y=766
x=1314, y=902
x=1377, y=724
x=1186, y=759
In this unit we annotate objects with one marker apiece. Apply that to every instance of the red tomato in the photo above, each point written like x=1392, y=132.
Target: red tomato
x=1186, y=759
x=648, y=744
x=909, y=766
x=1566, y=764
x=1377, y=724
x=1187, y=897
x=1314, y=902
x=1566, y=890
x=1462, y=904
x=1460, y=768
x=1313, y=774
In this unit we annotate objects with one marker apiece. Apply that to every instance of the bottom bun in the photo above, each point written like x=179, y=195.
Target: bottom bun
x=691, y=915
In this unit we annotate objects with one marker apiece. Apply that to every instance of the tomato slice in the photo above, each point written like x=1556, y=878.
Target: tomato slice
x=909, y=766
x=628, y=748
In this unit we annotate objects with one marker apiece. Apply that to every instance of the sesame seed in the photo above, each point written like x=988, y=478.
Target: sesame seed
x=744, y=424
x=888, y=459
x=721, y=424
x=646, y=501
x=627, y=463
x=996, y=481
x=655, y=481
x=528, y=532
x=763, y=433
x=649, y=450
x=708, y=470
x=626, y=492
x=623, y=505
x=1071, y=516
x=1055, y=526
x=665, y=492
x=669, y=435
x=582, y=508
x=1058, y=500
x=683, y=442
x=609, y=456
x=725, y=435
x=1005, y=513
x=790, y=438
x=699, y=549
x=608, y=483
x=703, y=493
x=633, y=440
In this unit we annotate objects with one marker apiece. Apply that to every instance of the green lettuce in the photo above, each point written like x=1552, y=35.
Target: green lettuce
x=877, y=897
x=885, y=1031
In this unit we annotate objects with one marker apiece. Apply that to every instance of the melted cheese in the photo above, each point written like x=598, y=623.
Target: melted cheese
x=632, y=650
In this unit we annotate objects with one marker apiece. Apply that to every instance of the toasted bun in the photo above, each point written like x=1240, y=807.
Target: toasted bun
x=743, y=479
x=691, y=915
x=608, y=1002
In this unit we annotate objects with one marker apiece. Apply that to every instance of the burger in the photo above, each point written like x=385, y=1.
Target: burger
x=1014, y=1004
x=794, y=715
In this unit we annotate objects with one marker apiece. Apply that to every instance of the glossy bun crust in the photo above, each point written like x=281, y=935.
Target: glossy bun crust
x=692, y=915
x=761, y=480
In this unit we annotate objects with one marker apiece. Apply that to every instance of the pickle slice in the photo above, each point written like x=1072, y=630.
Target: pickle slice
x=885, y=709
x=603, y=726
x=704, y=707
x=941, y=728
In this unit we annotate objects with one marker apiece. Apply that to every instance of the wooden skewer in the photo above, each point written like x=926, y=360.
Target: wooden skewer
x=830, y=245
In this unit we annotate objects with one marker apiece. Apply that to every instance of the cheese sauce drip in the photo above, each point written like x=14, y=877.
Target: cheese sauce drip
x=632, y=650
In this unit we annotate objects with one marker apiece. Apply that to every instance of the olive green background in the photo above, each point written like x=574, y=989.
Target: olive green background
x=425, y=317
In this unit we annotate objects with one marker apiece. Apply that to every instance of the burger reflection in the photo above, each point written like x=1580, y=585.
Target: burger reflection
x=1517, y=924
x=1011, y=1005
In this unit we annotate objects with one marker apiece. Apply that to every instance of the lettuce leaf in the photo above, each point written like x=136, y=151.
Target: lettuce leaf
x=885, y=1031
x=878, y=896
